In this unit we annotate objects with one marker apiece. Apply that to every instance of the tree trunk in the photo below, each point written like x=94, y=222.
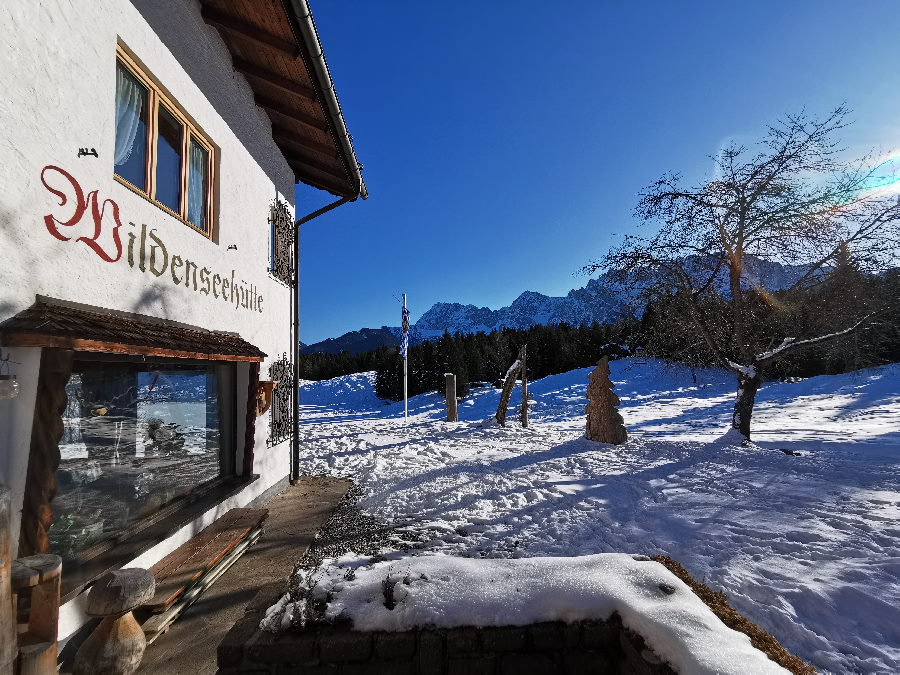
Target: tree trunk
x=743, y=405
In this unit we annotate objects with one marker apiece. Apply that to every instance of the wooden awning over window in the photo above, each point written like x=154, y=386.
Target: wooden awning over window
x=275, y=46
x=55, y=323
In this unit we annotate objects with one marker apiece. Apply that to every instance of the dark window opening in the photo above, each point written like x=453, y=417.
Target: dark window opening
x=168, y=160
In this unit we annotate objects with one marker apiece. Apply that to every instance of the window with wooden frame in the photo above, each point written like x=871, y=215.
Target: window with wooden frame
x=159, y=152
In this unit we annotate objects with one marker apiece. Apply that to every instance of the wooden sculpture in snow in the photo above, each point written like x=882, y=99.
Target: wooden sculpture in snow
x=604, y=423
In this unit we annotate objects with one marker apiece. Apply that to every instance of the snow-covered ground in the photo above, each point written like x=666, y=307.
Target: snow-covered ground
x=806, y=546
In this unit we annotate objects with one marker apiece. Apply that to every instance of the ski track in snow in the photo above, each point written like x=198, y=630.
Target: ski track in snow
x=808, y=546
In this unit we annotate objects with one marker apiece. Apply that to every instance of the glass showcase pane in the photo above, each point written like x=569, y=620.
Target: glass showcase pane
x=198, y=184
x=131, y=128
x=136, y=437
x=168, y=160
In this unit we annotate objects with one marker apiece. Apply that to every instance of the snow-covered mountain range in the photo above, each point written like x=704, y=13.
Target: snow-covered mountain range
x=602, y=299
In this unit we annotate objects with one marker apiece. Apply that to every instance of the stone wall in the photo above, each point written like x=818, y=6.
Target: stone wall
x=584, y=647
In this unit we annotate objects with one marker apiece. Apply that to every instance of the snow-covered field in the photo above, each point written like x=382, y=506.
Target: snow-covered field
x=806, y=546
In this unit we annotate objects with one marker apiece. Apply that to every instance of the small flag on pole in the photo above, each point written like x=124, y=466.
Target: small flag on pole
x=404, y=338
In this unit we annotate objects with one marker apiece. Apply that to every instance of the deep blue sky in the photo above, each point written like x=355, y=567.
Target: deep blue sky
x=504, y=143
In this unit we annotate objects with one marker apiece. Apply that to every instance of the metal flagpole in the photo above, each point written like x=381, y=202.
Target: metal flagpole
x=405, y=347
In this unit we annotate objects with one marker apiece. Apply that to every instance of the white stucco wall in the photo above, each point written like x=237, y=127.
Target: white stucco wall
x=58, y=74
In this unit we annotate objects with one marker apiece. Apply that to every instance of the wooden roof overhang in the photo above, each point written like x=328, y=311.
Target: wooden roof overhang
x=66, y=325
x=273, y=43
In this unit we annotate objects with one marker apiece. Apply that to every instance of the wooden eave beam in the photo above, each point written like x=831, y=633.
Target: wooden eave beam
x=228, y=22
x=274, y=79
x=38, y=340
x=308, y=174
x=303, y=159
x=287, y=111
x=286, y=135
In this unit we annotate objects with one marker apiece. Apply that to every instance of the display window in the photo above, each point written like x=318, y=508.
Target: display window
x=138, y=438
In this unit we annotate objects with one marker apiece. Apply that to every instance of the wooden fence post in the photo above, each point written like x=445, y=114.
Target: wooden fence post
x=523, y=412
x=7, y=611
x=452, y=414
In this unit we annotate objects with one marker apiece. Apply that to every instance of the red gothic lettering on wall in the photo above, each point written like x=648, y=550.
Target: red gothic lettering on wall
x=80, y=203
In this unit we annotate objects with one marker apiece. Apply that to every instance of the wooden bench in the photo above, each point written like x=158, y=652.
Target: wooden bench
x=183, y=575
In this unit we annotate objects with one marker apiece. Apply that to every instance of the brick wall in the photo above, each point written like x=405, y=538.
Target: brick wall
x=584, y=647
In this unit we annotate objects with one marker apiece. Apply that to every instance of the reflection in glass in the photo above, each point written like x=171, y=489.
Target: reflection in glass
x=136, y=438
x=198, y=184
x=168, y=160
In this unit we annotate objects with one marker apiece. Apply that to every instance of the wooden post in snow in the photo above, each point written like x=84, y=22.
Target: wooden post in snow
x=7, y=610
x=523, y=412
x=452, y=414
x=508, y=385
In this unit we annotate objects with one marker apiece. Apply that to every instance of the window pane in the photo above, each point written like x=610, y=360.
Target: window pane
x=168, y=160
x=131, y=128
x=136, y=437
x=198, y=185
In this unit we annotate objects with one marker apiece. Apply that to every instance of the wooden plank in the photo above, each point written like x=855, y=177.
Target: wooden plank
x=291, y=113
x=233, y=25
x=285, y=84
x=7, y=606
x=39, y=340
x=309, y=175
x=176, y=572
x=175, y=585
x=158, y=624
x=167, y=566
x=287, y=135
x=307, y=161
x=200, y=559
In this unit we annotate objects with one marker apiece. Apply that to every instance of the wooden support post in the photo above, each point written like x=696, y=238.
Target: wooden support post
x=37, y=645
x=452, y=414
x=117, y=645
x=523, y=413
x=7, y=608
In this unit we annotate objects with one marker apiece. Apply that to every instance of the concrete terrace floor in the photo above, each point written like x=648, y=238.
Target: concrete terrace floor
x=295, y=516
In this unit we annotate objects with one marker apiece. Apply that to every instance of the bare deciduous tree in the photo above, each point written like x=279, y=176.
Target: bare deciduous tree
x=793, y=199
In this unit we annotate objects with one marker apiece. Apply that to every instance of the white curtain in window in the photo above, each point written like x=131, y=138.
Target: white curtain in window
x=129, y=105
x=197, y=185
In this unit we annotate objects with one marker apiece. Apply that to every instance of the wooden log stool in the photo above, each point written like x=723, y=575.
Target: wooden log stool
x=37, y=635
x=117, y=645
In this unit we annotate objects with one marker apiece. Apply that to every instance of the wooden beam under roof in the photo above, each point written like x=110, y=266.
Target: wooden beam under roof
x=286, y=110
x=226, y=21
x=292, y=155
x=276, y=80
x=321, y=180
x=283, y=135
